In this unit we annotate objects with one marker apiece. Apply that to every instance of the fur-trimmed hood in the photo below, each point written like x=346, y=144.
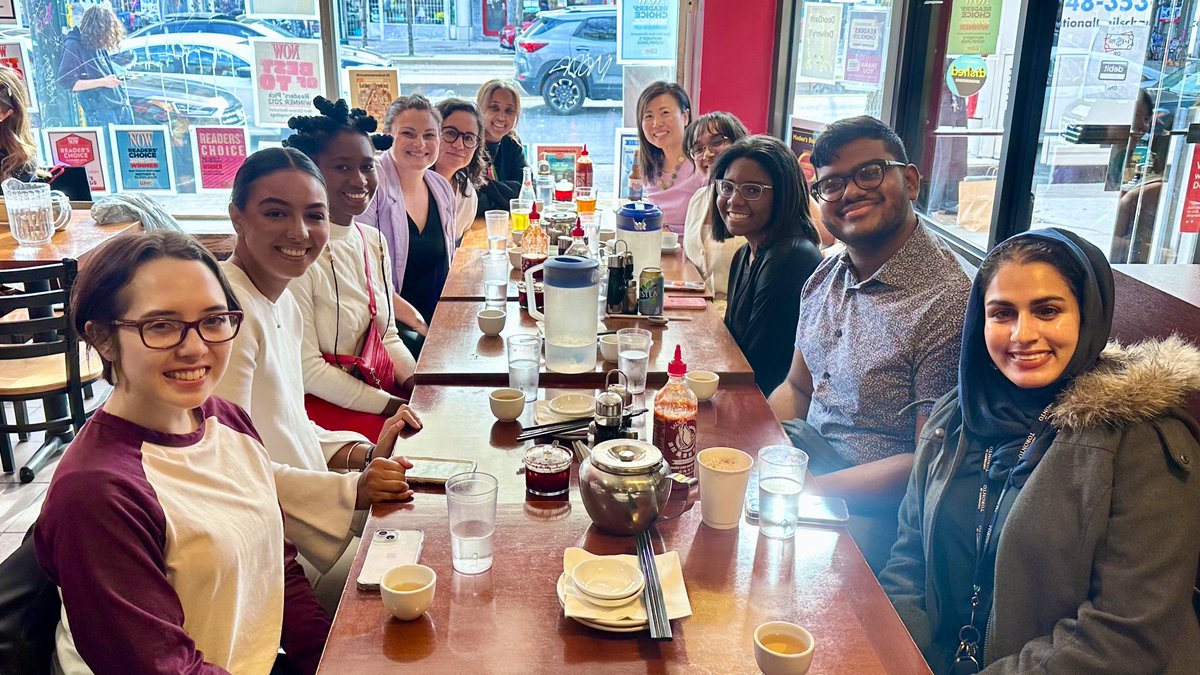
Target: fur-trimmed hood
x=1130, y=385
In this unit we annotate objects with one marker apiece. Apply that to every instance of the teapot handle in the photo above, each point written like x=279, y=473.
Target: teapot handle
x=684, y=492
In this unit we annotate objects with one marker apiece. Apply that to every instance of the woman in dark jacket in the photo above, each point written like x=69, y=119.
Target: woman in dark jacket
x=500, y=104
x=85, y=68
x=760, y=195
x=1052, y=523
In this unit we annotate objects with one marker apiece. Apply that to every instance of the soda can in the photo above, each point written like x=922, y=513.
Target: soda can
x=650, y=292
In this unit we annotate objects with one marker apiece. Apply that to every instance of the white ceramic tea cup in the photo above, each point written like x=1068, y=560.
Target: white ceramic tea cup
x=669, y=239
x=724, y=475
x=507, y=404
x=491, y=321
x=772, y=658
x=608, y=348
x=408, y=590
x=703, y=383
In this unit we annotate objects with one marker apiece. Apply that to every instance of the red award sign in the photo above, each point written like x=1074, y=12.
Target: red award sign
x=75, y=150
x=1190, y=222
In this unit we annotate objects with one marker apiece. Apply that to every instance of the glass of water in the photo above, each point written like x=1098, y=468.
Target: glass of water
x=633, y=356
x=471, y=503
x=495, y=281
x=524, y=359
x=781, y=470
x=497, y=231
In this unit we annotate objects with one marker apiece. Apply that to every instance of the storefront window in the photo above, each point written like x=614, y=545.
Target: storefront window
x=212, y=80
x=1115, y=162
x=841, y=59
x=969, y=62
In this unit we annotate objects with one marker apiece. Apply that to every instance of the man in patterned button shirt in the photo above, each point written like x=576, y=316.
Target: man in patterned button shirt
x=879, y=331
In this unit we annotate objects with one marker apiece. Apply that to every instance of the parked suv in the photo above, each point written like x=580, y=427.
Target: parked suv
x=569, y=56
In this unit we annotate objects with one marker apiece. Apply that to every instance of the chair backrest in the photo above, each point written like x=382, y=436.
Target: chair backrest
x=29, y=613
x=44, y=288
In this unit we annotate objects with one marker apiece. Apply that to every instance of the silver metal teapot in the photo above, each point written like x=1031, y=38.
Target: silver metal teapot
x=626, y=486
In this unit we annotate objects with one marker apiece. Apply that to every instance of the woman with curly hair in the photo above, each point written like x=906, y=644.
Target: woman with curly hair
x=86, y=69
x=462, y=159
x=18, y=154
x=344, y=294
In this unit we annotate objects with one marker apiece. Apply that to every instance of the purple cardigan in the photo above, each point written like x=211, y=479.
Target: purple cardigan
x=386, y=212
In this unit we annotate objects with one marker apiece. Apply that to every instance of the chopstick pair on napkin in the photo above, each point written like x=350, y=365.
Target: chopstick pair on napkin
x=670, y=571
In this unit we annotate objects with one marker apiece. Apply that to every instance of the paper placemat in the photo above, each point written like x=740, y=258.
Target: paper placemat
x=670, y=572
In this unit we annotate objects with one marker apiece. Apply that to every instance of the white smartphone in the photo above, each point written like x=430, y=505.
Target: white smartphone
x=388, y=549
x=813, y=509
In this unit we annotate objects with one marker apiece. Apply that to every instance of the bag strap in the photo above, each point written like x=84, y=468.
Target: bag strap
x=367, y=272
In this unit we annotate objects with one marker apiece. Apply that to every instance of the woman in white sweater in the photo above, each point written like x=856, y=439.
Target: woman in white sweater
x=348, y=286
x=278, y=211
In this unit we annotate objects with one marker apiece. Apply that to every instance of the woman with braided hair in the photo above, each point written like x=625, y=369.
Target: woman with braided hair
x=344, y=296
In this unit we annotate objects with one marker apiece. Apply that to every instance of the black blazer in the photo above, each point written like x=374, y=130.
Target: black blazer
x=508, y=163
x=764, y=305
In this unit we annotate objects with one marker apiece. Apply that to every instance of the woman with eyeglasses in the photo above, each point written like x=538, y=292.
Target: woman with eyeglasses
x=18, y=151
x=162, y=526
x=416, y=210
x=759, y=193
x=705, y=139
x=664, y=112
x=462, y=159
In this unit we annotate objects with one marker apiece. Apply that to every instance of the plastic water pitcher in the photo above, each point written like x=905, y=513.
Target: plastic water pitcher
x=571, y=285
x=639, y=225
x=31, y=211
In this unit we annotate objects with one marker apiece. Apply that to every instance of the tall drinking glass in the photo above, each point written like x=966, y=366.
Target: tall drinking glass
x=471, y=503
x=495, y=281
x=497, y=231
x=524, y=359
x=633, y=356
x=520, y=210
x=781, y=470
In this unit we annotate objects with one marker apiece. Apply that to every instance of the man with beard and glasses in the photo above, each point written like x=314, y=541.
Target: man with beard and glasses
x=879, y=331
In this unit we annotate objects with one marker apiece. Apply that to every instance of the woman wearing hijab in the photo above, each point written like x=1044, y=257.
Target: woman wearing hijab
x=1052, y=523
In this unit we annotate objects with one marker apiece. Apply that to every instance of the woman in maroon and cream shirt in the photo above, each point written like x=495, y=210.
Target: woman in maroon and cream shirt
x=167, y=561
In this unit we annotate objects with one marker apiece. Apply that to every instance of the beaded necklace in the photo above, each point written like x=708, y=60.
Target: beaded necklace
x=664, y=185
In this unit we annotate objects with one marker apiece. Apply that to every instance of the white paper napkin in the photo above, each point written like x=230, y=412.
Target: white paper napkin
x=670, y=573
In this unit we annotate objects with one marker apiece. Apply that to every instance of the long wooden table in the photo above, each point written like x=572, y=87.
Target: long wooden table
x=457, y=352
x=81, y=237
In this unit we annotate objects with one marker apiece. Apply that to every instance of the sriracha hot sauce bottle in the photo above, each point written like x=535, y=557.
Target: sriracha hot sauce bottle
x=583, y=169
x=675, y=419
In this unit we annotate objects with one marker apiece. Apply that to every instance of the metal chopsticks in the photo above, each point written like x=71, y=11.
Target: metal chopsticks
x=530, y=433
x=652, y=594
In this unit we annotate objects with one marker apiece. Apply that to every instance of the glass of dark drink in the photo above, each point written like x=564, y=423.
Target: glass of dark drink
x=547, y=470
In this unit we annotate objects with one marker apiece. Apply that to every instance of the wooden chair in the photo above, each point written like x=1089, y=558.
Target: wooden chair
x=50, y=367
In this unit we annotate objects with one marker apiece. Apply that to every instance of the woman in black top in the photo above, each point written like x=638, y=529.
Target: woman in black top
x=85, y=68
x=500, y=104
x=760, y=195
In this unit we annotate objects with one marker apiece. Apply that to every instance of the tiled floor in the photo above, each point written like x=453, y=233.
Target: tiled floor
x=21, y=503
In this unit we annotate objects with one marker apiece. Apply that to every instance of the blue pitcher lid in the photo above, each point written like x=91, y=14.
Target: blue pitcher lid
x=639, y=215
x=571, y=271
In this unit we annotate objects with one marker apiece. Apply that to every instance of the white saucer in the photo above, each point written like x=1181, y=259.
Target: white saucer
x=573, y=405
x=670, y=248
x=620, y=626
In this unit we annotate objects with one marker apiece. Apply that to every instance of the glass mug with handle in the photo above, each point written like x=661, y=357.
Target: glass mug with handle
x=31, y=209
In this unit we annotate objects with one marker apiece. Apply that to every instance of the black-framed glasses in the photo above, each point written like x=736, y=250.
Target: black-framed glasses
x=749, y=191
x=867, y=176
x=159, y=333
x=715, y=146
x=450, y=134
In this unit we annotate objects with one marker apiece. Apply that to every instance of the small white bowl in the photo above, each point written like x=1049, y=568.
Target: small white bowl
x=608, y=348
x=514, y=257
x=419, y=583
x=491, y=321
x=772, y=662
x=507, y=404
x=703, y=383
x=607, y=578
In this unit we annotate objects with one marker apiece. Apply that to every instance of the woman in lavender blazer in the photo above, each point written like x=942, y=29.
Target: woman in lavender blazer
x=414, y=208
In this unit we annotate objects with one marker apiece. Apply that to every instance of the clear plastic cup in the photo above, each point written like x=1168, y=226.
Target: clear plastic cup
x=524, y=362
x=633, y=356
x=497, y=231
x=471, y=504
x=781, y=470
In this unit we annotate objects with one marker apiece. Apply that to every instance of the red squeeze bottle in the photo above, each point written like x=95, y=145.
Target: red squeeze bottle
x=675, y=419
x=583, y=169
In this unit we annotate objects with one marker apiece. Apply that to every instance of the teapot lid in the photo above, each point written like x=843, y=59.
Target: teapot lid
x=570, y=271
x=626, y=456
